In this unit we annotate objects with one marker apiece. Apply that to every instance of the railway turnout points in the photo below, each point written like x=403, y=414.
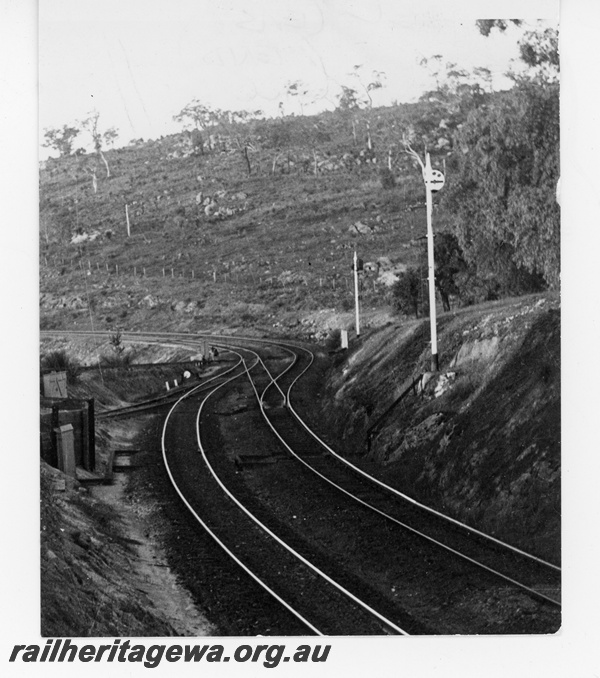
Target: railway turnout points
x=253, y=472
x=491, y=565
x=325, y=607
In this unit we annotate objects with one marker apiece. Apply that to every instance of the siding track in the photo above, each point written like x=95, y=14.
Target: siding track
x=380, y=548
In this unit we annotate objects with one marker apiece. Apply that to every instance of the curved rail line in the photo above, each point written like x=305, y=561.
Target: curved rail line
x=393, y=490
x=270, y=532
x=231, y=342
x=224, y=341
x=378, y=482
x=388, y=623
x=287, y=400
x=166, y=398
x=213, y=535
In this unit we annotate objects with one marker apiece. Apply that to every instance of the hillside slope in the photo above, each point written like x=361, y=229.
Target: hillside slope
x=207, y=239
x=214, y=247
x=481, y=439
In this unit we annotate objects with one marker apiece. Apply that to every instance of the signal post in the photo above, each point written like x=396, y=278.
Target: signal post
x=434, y=181
x=357, y=266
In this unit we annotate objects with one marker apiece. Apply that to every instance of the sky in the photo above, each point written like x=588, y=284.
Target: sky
x=139, y=62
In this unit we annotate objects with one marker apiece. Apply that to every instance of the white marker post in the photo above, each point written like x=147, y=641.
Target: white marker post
x=356, y=293
x=434, y=181
x=127, y=219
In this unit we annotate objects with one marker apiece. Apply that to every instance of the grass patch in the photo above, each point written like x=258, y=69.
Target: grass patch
x=60, y=361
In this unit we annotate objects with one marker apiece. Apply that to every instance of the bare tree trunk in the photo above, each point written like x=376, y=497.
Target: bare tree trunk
x=105, y=163
x=275, y=159
x=247, y=160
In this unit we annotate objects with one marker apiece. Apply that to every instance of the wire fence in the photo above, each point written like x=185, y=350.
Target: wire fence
x=96, y=269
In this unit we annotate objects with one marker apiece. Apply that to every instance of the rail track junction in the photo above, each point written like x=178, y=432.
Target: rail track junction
x=324, y=546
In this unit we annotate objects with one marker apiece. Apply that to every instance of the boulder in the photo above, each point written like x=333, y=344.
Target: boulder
x=385, y=264
x=444, y=382
x=484, y=350
x=387, y=278
x=149, y=302
x=359, y=228
x=287, y=277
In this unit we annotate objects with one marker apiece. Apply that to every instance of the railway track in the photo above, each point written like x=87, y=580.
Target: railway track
x=317, y=601
x=320, y=603
x=170, y=396
x=455, y=555
x=516, y=567
x=439, y=547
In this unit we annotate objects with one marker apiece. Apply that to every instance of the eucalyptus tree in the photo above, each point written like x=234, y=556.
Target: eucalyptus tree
x=503, y=176
x=235, y=125
x=99, y=138
x=61, y=139
x=357, y=102
x=201, y=118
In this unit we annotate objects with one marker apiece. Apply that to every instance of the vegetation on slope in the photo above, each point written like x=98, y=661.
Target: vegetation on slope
x=287, y=245
x=256, y=227
x=267, y=213
x=481, y=439
x=87, y=588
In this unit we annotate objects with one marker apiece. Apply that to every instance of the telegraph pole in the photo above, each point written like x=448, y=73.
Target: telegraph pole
x=355, y=267
x=431, y=266
x=434, y=181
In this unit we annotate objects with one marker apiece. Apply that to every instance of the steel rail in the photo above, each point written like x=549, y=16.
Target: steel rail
x=166, y=397
x=385, y=486
x=210, y=532
x=274, y=536
x=402, y=495
x=194, y=513
x=163, y=400
x=496, y=573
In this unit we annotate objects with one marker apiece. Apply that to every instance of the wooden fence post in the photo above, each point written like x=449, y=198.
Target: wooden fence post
x=127, y=219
